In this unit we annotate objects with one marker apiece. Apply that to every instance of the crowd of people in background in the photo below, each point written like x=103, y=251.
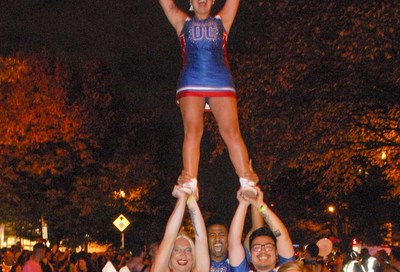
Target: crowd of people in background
x=44, y=259
x=139, y=257
x=267, y=247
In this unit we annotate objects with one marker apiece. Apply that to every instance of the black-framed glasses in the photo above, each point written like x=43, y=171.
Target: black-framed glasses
x=267, y=247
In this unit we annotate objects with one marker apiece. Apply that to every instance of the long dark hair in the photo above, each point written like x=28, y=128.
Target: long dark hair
x=22, y=259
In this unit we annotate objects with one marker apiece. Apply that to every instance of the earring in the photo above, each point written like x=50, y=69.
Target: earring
x=191, y=6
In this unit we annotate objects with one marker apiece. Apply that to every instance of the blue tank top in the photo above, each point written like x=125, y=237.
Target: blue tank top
x=205, y=63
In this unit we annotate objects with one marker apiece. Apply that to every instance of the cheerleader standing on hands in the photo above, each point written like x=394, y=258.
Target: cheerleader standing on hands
x=205, y=83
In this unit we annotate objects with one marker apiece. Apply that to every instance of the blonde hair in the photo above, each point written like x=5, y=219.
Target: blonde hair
x=293, y=266
x=185, y=236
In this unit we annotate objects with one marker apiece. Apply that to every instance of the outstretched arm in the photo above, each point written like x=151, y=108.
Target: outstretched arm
x=228, y=13
x=171, y=231
x=236, y=250
x=174, y=14
x=284, y=243
x=200, y=233
x=257, y=221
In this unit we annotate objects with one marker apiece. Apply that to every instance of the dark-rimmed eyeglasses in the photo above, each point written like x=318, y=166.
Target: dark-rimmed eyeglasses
x=259, y=247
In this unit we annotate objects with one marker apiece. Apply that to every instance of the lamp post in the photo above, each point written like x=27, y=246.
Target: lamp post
x=340, y=224
x=333, y=215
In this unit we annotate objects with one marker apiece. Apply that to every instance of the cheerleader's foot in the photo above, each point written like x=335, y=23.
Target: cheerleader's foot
x=190, y=188
x=248, y=189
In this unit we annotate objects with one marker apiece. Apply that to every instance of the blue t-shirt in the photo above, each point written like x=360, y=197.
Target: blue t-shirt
x=245, y=267
x=221, y=266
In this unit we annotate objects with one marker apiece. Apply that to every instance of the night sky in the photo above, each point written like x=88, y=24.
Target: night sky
x=130, y=35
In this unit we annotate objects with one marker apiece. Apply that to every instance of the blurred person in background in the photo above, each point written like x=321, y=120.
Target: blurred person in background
x=8, y=260
x=367, y=262
x=311, y=261
x=34, y=264
x=22, y=259
x=135, y=262
x=101, y=262
x=47, y=266
x=351, y=264
x=151, y=255
x=83, y=263
x=383, y=259
x=394, y=260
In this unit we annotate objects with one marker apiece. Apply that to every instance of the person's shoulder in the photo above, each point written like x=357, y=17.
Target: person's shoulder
x=242, y=267
x=188, y=21
x=217, y=18
x=26, y=266
x=28, y=262
x=283, y=260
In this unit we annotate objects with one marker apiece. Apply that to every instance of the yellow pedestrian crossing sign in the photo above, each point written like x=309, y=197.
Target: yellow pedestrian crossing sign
x=121, y=223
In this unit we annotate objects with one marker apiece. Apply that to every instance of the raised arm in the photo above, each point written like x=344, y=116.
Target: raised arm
x=200, y=233
x=228, y=13
x=236, y=250
x=174, y=14
x=257, y=221
x=284, y=243
x=171, y=231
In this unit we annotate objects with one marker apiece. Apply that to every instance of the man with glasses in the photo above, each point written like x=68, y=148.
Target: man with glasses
x=269, y=247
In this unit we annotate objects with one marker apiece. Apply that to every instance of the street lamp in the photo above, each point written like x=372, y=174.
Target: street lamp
x=334, y=224
x=340, y=225
x=331, y=209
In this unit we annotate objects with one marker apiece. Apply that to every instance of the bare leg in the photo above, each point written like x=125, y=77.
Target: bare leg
x=192, y=110
x=225, y=112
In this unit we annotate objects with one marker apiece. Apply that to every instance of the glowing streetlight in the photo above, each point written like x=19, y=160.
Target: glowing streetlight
x=384, y=155
x=331, y=209
x=334, y=217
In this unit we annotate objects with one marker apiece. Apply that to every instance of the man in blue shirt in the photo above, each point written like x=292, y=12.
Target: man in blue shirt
x=269, y=247
x=217, y=234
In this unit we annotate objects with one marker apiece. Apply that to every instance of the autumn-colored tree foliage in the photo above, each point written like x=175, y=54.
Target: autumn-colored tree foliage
x=76, y=153
x=319, y=90
x=68, y=158
x=49, y=140
x=319, y=93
